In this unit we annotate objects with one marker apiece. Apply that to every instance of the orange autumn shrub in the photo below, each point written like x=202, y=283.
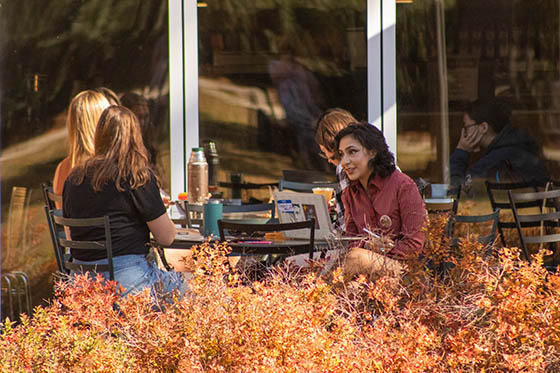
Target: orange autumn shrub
x=481, y=313
x=74, y=333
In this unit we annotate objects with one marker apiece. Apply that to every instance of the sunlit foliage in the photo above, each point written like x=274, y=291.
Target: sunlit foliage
x=482, y=313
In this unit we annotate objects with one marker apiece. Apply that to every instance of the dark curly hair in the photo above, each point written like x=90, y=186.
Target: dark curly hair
x=371, y=138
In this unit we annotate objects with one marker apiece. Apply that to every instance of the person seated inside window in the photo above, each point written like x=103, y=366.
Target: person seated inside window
x=379, y=197
x=510, y=154
x=118, y=182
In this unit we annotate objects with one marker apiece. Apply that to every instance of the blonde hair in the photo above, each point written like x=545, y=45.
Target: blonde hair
x=329, y=124
x=84, y=112
x=120, y=155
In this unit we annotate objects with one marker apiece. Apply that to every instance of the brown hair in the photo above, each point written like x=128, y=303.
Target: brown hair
x=329, y=124
x=84, y=112
x=120, y=155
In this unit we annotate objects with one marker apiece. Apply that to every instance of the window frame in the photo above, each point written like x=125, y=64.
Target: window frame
x=183, y=76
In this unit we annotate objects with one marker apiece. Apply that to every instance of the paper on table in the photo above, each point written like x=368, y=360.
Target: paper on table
x=189, y=234
x=182, y=237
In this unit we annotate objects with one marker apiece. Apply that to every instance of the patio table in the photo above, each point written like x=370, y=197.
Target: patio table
x=240, y=247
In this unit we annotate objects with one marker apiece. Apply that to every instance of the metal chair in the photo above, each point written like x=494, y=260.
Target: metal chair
x=494, y=189
x=62, y=244
x=290, y=247
x=478, y=220
x=54, y=233
x=306, y=187
x=50, y=205
x=545, y=220
x=51, y=198
x=442, y=206
x=17, y=293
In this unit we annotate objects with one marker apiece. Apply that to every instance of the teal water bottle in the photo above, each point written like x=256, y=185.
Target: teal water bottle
x=213, y=210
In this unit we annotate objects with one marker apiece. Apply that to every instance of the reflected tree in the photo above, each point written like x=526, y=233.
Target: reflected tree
x=53, y=49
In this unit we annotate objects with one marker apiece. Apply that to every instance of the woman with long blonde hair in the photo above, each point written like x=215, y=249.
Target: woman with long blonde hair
x=83, y=113
x=118, y=182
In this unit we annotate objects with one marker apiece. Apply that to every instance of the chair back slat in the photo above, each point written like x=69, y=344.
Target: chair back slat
x=50, y=205
x=51, y=198
x=478, y=219
x=520, y=205
x=535, y=197
x=62, y=243
x=271, y=227
x=547, y=238
x=83, y=245
x=492, y=187
x=84, y=222
x=53, y=233
x=546, y=220
x=547, y=217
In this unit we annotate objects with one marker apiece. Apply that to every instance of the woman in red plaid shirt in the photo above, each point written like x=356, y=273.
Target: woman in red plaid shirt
x=379, y=198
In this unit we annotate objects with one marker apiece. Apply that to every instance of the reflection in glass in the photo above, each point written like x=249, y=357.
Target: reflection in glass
x=449, y=53
x=267, y=70
x=51, y=51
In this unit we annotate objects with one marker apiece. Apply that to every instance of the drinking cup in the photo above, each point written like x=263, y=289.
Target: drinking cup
x=328, y=193
x=213, y=210
x=439, y=190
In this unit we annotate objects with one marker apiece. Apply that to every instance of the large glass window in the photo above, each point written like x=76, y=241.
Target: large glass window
x=450, y=53
x=267, y=69
x=50, y=51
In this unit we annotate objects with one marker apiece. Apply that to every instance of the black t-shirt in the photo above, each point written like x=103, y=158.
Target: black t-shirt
x=128, y=213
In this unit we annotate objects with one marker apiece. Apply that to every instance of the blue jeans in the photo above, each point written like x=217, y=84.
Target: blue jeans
x=134, y=273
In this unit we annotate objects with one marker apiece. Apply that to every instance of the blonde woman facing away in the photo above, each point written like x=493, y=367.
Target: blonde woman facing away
x=118, y=182
x=84, y=112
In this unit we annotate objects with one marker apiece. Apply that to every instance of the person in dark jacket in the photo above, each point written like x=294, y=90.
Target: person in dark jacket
x=511, y=154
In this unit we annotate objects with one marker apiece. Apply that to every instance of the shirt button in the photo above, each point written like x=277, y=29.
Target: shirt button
x=385, y=222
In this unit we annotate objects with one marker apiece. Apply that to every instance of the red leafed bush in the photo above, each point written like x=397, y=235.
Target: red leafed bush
x=479, y=313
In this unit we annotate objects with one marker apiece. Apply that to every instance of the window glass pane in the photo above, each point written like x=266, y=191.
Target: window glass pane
x=267, y=69
x=51, y=50
x=450, y=53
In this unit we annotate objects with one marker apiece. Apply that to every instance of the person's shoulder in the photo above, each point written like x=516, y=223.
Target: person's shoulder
x=401, y=178
x=61, y=174
x=64, y=165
